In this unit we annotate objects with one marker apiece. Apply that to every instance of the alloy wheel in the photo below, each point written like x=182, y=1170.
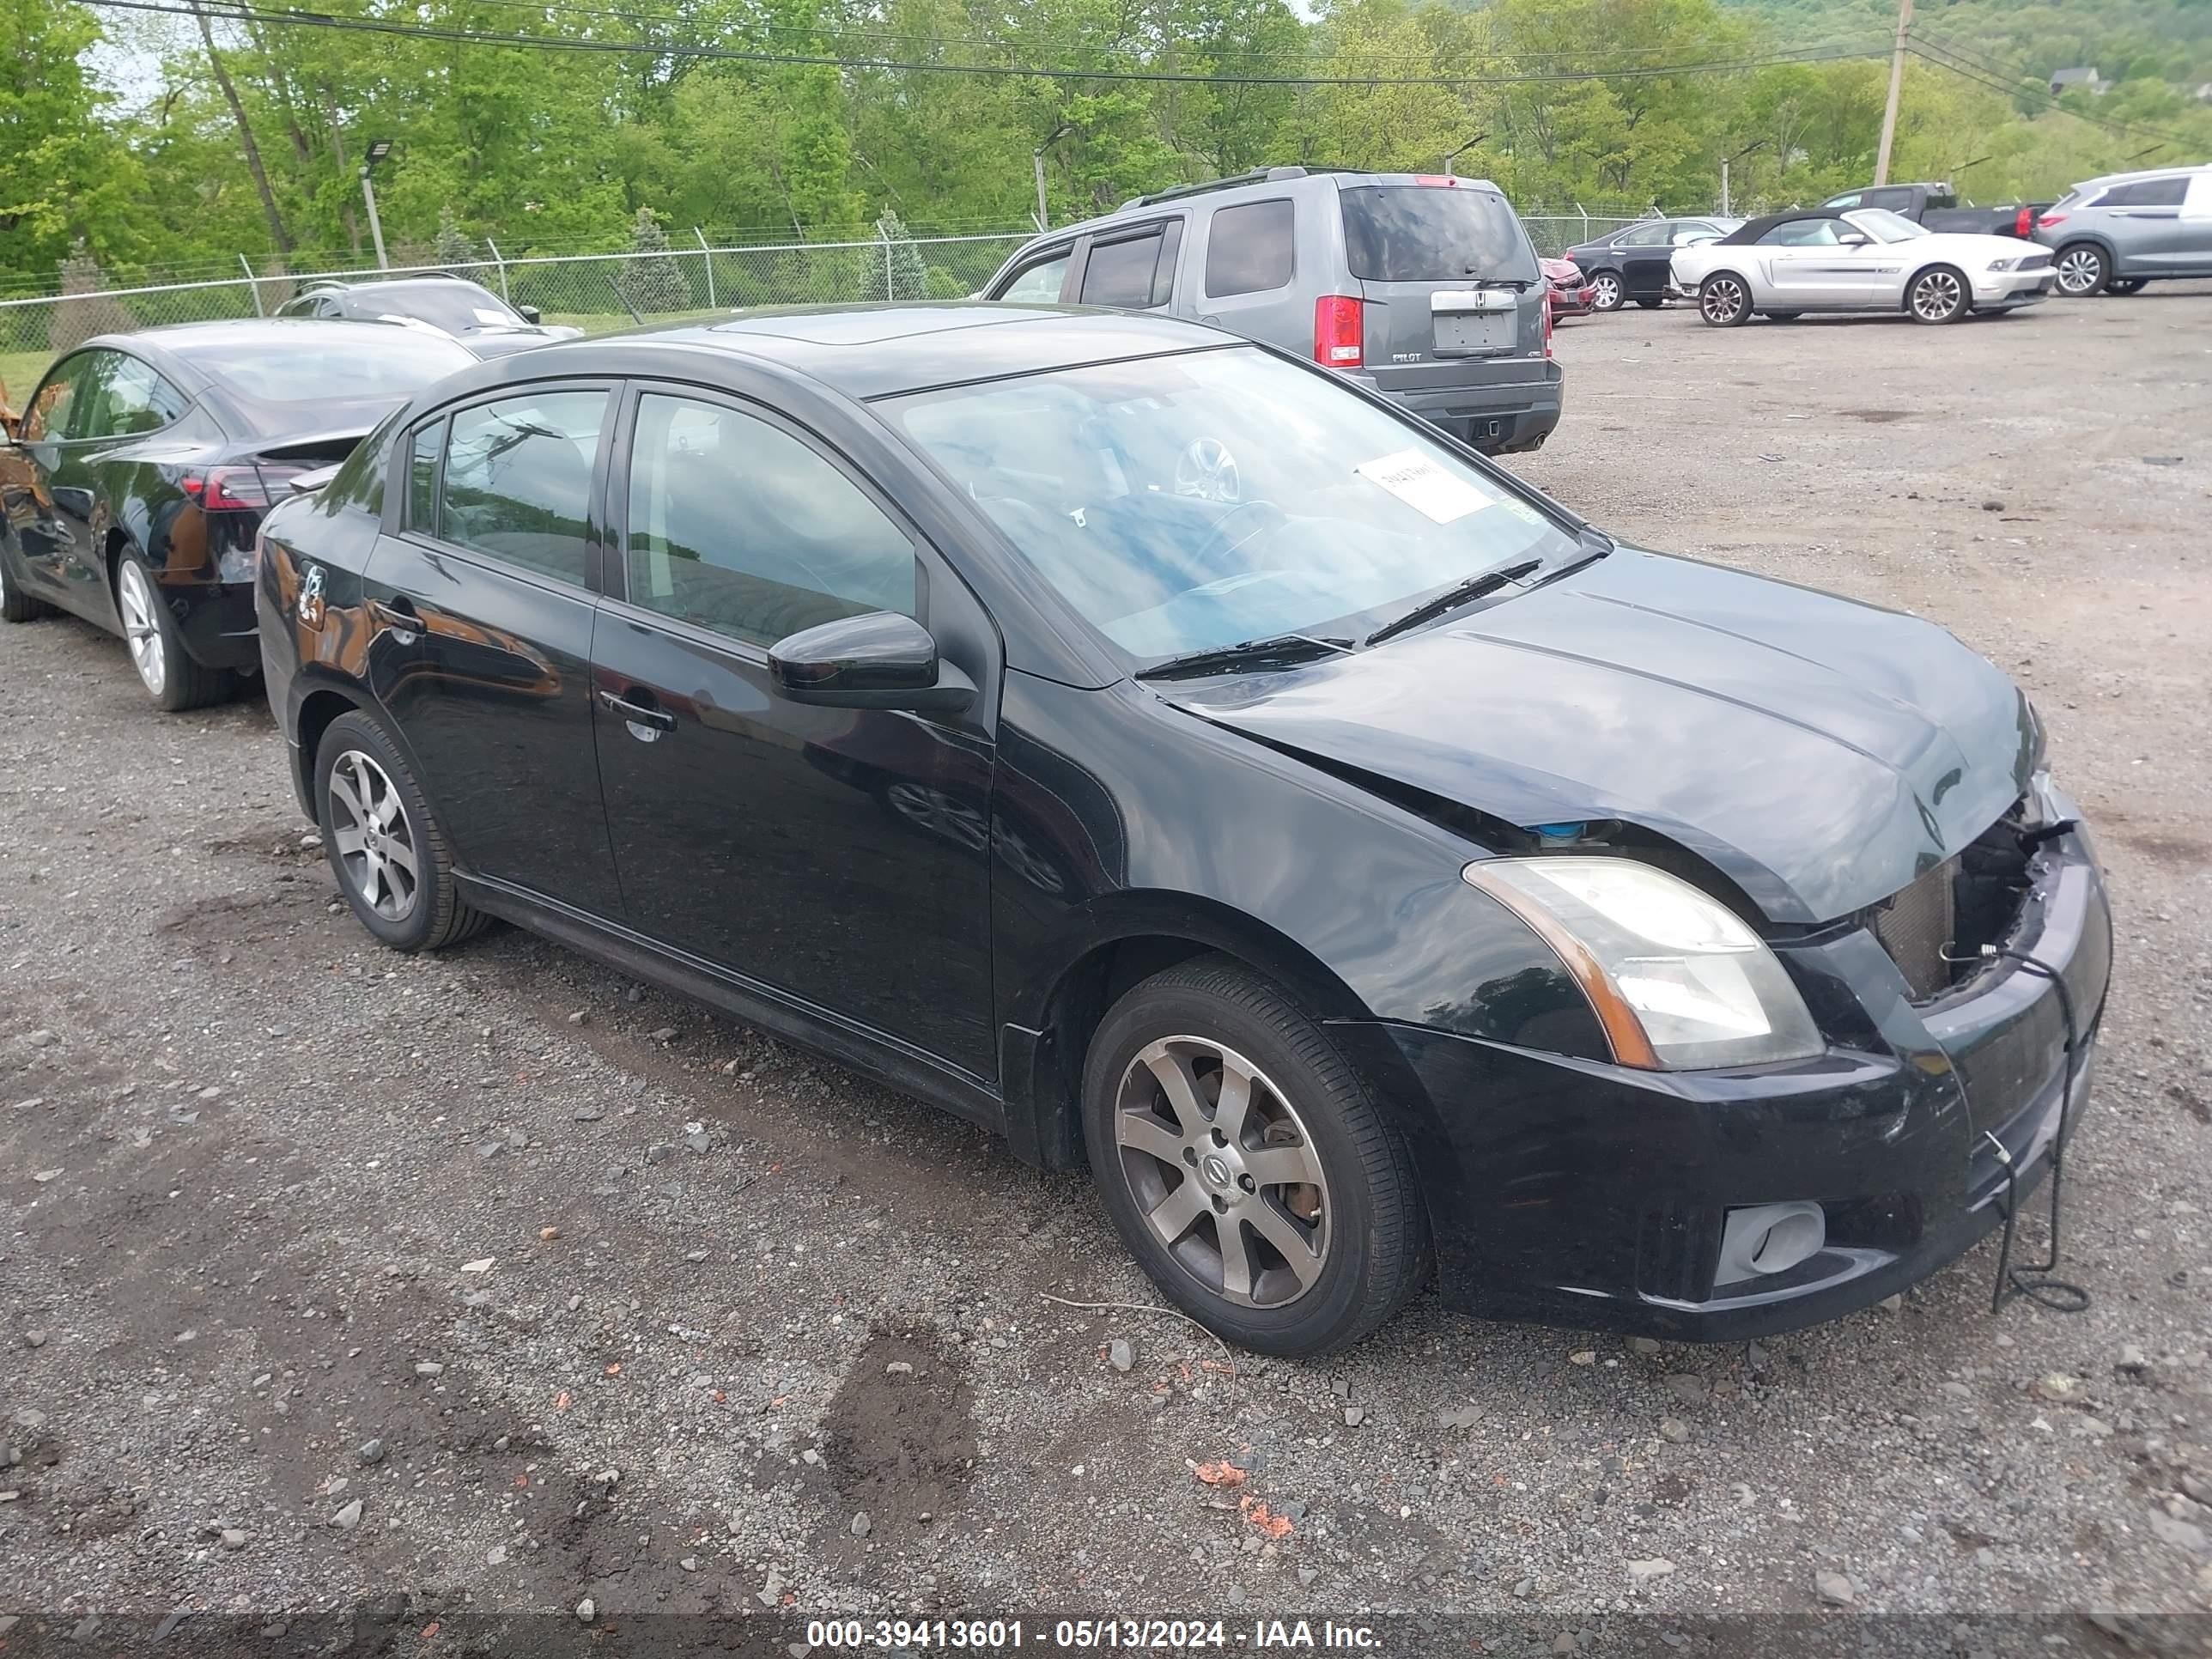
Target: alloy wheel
x=141, y=626
x=2081, y=271
x=1723, y=300
x=1605, y=291
x=1224, y=1171
x=1938, y=297
x=374, y=840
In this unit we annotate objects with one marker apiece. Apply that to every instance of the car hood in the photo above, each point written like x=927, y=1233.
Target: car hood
x=1820, y=752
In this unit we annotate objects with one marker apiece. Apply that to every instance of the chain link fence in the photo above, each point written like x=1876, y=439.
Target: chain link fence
x=594, y=292
x=606, y=291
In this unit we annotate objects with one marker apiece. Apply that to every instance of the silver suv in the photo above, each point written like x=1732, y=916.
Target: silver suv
x=2115, y=233
x=1424, y=288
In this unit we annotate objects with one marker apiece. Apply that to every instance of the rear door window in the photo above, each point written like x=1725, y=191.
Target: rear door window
x=518, y=480
x=2147, y=192
x=121, y=397
x=1249, y=248
x=1433, y=234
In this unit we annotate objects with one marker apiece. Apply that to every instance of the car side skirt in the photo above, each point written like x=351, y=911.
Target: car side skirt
x=883, y=1059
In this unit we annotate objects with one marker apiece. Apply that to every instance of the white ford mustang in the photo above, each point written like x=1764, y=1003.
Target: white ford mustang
x=1870, y=260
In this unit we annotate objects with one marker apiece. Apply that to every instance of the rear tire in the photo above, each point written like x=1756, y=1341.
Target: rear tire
x=1246, y=1167
x=384, y=844
x=1606, y=291
x=1938, y=295
x=15, y=605
x=1724, y=299
x=172, y=676
x=2126, y=285
x=2083, y=270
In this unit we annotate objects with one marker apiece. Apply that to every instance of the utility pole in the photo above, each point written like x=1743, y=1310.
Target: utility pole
x=378, y=149
x=1896, y=86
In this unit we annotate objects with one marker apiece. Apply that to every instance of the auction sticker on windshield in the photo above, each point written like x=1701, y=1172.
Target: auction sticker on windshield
x=1418, y=481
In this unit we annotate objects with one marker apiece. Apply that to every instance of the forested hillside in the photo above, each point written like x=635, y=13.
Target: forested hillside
x=202, y=138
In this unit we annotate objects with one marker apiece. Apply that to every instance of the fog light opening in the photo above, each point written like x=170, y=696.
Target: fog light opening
x=1769, y=1238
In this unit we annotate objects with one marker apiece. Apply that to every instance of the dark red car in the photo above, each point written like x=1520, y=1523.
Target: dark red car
x=1567, y=290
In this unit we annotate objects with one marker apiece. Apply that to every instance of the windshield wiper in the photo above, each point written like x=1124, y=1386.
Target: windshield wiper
x=1452, y=598
x=1282, y=650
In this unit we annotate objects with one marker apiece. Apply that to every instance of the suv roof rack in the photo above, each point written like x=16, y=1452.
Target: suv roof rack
x=1235, y=180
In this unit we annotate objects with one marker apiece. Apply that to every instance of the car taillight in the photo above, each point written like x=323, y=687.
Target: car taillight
x=237, y=489
x=1547, y=325
x=1444, y=180
x=2050, y=219
x=1339, y=335
x=2024, y=226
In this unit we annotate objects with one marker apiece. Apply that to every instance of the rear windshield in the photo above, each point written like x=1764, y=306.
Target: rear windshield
x=331, y=363
x=453, y=307
x=1433, y=233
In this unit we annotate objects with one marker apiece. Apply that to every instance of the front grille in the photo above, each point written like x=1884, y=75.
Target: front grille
x=1919, y=926
x=2035, y=262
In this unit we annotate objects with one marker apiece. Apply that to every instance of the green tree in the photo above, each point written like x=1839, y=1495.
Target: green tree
x=651, y=283
x=64, y=176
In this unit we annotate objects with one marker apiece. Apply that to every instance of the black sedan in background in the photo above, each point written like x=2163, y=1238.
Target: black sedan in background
x=1631, y=263
x=143, y=464
x=463, y=310
x=1183, y=763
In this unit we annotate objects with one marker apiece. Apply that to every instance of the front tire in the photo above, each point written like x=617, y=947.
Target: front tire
x=2083, y=270
x=1939, y=294
x=1723, y=300
x=384, y=844
x=171, y=676
x=1606, y=291
x=1244, y=1164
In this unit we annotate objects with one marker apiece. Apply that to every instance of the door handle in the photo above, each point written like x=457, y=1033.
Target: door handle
x=399, y=614
x=638, y=713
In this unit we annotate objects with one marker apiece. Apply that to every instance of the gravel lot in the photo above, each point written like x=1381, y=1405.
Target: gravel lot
x=494, y=1280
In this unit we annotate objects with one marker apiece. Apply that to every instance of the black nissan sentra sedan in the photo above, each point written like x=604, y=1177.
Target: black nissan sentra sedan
x=134, y=489
x=1160, y=752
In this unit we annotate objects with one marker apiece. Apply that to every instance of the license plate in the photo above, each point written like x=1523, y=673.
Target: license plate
x=1486, y=332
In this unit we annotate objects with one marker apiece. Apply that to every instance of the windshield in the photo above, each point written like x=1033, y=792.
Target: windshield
x=1433, y=234
x=1886, y=227
x=1186, y=503
x=453, y=307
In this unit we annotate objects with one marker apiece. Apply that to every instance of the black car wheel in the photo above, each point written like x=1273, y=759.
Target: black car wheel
x=1722, y=300
x=15, y=605
x=383, y=841
x=1652, y=305
x=2082, y=271
x=1244, y=1164
x=1939, y=294
x=170, y=676
x=2126, y=285
x=1606, y=293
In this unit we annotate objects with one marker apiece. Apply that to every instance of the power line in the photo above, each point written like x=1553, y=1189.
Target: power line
x=239, y=11
x=1982, y=74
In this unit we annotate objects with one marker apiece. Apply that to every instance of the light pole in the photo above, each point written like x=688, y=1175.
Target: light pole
x=1726, y=162
x=1452, y=156
x=1036, y=161
x=378, y=149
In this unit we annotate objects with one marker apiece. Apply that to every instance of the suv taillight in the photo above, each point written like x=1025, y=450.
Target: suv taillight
x=2050, y=219
x=1339, y=335
x=1547, y=325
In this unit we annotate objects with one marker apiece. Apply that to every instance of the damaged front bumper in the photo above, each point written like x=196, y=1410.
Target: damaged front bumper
x=1579, y=1193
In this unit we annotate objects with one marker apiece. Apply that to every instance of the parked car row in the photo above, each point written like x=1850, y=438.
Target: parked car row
x=1187, y=755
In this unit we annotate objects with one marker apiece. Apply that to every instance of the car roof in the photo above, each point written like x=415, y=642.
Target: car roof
x=867, y=351
x=1268, y=183
x=180, y=348
x=1752, y=229
x=2144, y=173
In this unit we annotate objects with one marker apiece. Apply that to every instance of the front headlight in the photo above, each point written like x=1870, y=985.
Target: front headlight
x=2002, y=264
x=1677, y=981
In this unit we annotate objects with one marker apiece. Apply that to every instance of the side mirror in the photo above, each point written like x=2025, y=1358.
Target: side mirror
x=528, y=314
x=1853, y=239
x=879, y=661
